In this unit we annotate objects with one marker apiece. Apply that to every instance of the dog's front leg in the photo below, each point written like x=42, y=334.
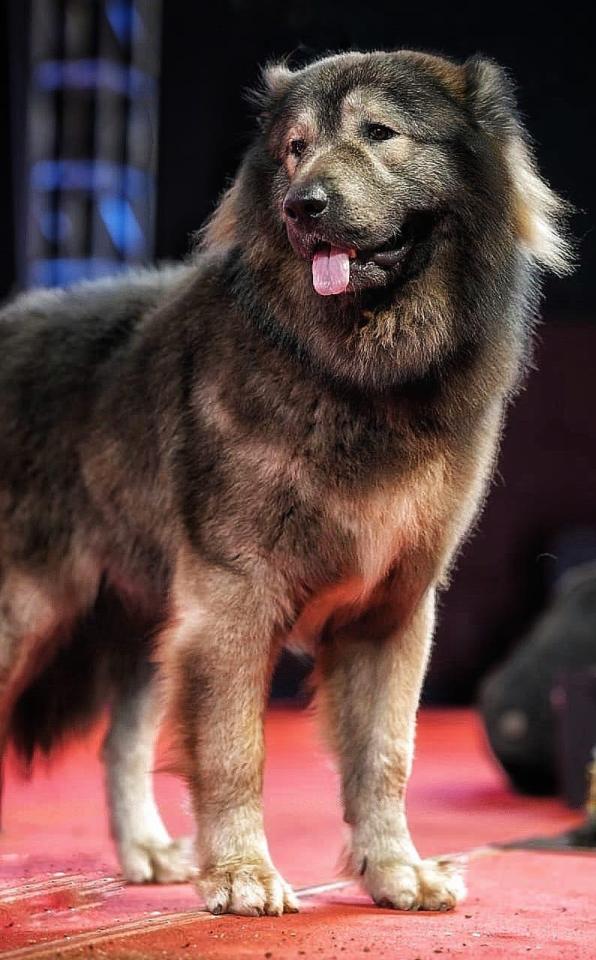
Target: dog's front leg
x=371, y=674
x=220, y=667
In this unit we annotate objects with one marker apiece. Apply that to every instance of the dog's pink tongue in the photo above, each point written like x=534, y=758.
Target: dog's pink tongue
x=330, y=271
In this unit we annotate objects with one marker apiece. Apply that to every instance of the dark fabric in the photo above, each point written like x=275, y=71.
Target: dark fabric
x=518, y=700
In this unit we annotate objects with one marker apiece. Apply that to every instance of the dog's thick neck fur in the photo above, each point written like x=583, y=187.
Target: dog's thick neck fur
x=366, y=338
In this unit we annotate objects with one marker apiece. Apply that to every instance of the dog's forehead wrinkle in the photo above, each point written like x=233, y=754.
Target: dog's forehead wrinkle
x=416, y=110
x=328, y=82
x=366, y=101
x=418, y=79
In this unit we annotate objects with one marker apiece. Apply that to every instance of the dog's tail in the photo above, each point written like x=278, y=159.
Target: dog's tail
x=65, y=698
x=103, y=650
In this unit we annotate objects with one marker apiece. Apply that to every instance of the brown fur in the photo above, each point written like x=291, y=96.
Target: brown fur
x=243, y=463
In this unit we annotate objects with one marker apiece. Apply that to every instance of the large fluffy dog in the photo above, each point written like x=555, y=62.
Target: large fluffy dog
x=283, y=441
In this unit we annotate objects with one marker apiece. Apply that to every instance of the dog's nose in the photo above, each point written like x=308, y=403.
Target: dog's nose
x=306, y=203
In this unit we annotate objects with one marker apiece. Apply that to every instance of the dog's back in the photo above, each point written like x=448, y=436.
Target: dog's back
x=63, y=335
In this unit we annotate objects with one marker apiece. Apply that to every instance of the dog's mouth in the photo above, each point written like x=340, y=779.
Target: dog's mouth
x=332, y=265
x=338, y=268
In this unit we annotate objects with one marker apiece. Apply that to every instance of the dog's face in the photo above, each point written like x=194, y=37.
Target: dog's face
x=371, y=153
x=388, y=211
x=366, y=167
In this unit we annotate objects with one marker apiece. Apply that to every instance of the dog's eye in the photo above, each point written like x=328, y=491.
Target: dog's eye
x=379, y=132
x=297, y=147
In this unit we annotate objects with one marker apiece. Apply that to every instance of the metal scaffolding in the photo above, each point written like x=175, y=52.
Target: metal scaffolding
x=92, y=135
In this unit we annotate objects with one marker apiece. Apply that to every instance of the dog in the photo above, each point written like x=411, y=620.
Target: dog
x=282, y=440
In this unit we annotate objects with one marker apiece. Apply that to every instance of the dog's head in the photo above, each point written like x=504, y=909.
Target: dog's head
x=392, y=176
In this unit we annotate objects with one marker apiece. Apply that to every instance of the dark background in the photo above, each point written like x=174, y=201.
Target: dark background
x=547, y=475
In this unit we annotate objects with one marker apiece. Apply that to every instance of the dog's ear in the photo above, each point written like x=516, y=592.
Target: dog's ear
x=541, y=216
x=539, y=213
x=491, y=96
x=274, y=82
x=276, y=77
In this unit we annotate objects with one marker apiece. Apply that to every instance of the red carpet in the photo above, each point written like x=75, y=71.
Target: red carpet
x=60, y=897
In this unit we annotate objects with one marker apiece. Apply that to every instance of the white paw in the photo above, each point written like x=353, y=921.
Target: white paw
x=251, y=889
x=153, y=861
x=427, y=885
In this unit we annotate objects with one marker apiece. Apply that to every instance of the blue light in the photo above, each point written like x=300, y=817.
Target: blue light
x=122, y=226
x=94, y=74
x=123, y=19
x=55, y=225
x=96, y=176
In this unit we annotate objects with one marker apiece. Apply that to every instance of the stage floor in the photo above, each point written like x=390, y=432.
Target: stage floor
x=60, y=896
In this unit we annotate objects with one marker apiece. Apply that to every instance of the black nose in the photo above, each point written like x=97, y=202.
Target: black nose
x=305, y=203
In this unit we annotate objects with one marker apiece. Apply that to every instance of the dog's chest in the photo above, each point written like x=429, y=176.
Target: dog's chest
x=372, y=529
x=374, y=532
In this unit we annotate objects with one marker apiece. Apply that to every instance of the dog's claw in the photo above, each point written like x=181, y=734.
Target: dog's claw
x=155, y=862
x=247, y=889
x=427, y=885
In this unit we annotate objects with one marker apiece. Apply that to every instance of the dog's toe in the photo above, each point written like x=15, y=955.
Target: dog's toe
x=247, y=889
x=151, y=861
x=427, y=885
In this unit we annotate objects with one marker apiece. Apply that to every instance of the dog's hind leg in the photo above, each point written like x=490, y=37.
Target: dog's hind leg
x=371, y=673
x=146, y=851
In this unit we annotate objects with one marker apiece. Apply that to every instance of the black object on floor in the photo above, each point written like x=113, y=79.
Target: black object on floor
x=516, y=700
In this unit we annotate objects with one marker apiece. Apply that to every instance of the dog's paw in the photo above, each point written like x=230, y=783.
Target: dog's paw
x=251, y=889
x=428, y=885
x=152, y=861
